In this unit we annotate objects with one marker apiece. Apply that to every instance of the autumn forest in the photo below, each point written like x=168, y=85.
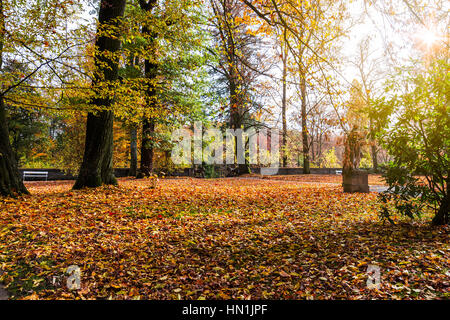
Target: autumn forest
x=224, y=150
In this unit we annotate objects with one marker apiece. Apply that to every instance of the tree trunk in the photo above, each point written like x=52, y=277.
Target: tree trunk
x=442, y=216
x=283, y=105
x=374, y=157
x=236, y=114
x=10, y=179
x=133, y=62
x=148, y=128
x=306, y=167
x=133, y=151
x=96, y=167
x=148, y=123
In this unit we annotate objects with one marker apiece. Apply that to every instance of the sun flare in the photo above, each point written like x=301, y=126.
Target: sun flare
x=428, y=37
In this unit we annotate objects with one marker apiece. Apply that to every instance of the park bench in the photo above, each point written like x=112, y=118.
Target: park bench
x=338, y=171
x=35, y=174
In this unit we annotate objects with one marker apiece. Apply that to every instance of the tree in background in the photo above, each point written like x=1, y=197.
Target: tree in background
x=69, y=136
x=150, y=72
x=27, y=126
x=284, y=101
x=330, y=160
x=370, y=72
x=132, y=68
x=241, y=62
x=171, y=47
x=313, y=32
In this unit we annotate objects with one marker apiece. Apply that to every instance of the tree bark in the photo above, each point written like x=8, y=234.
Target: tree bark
x=148, y=123
x=374, y=157
x=96, y=168
x=442, y=216
x=11, y=183
x=283, y=104
x=236, y=109
x=148, y=128
x=133, y=151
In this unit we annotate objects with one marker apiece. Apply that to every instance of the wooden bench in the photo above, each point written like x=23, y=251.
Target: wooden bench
x=35, y=174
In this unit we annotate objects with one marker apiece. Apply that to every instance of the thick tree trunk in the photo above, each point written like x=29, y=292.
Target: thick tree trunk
x=96, y=167
x=10, y=180
x=133, y=151
x=442, y=216
x=306, y=166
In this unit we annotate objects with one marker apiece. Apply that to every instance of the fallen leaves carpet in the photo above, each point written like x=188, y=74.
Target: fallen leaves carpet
x=215, y=239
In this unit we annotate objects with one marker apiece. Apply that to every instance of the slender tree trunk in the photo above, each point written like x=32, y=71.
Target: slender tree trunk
x=148, y=123
x=133, y=133
x=283, y=104
x=374, y=156
x=148, y=128
x=10, y=179
x=306, y=166
x=320, y=145
x=236, y=113
x=96, y=167
x=133, y=151
x=132, y=127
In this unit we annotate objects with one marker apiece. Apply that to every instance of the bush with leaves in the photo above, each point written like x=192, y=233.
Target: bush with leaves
x=419, y=141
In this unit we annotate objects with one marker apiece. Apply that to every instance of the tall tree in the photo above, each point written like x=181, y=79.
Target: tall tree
x=313, y=28
x=31, y=35
x=150, y=72
x=370, y=74
x=241, y=63
x=284, y=59
x=172, y=51
x=10, y=179
x=96, y=167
